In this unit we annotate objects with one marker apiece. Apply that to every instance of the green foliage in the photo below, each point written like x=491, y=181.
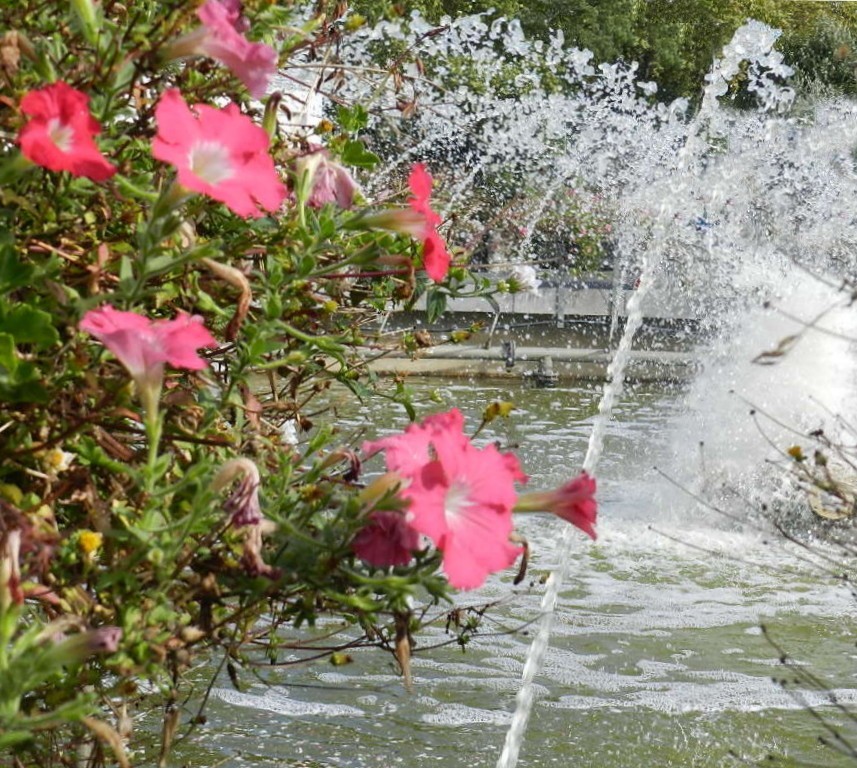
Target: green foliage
x=112, y=486
x=675, y=41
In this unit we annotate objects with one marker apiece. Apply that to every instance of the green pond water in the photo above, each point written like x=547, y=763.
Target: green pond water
x=657, y=655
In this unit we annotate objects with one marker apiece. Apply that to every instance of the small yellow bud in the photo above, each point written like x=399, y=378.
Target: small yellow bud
x=89, y=542
x=192, y=634
x=497, y=408
x=12, y=493
x=354, y=21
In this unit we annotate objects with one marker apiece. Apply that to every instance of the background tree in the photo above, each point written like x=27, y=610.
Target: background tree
x=673, y=41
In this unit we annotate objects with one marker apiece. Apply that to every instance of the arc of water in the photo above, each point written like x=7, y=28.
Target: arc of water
x=612, y=390
x=751, y=42
x=531, y=223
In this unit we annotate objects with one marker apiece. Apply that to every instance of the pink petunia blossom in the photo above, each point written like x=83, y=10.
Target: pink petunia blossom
x=143, y=345
x=419, y=221
x=460, y=496
x=386, y=540
x=436, y=258
x=218, y=152
x=326, y=181
x=221, y=37
x=407, y=453
x=574, y=502
x=59, y=133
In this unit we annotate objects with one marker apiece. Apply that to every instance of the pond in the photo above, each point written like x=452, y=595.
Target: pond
x=657, y=655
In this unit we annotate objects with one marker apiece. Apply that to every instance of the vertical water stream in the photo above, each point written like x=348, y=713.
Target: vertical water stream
x=751, y=43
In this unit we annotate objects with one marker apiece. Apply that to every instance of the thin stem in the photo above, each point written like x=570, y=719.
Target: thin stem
x=150, y=393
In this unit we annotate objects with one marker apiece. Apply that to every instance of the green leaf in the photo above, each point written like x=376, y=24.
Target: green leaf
x=159, y=264
x=319, y=439
x=126, y=270
x=352, y=119
x=355, y=153
x=28, y=325
x=403, y=397
x=20, y=381
x=12, y=738
x=435, y=305
x=305, y=265
x=13, y=274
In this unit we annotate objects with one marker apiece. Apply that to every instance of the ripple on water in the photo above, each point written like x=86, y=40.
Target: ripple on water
x=271, y=700
x=453, y=715
x=750, y=694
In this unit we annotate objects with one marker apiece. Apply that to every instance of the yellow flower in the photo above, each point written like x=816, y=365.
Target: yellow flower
x=89, y=542
x=56, y=460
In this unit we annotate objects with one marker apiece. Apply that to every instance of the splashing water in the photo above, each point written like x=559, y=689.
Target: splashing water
x=749, y=40
x=727, y=207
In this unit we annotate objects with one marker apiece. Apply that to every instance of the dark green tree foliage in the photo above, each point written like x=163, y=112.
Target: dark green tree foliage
x=673, y=41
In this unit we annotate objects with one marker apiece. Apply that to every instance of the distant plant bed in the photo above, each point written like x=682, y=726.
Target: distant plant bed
x=182, y=278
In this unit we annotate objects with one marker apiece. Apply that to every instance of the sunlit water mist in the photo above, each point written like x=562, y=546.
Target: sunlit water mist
x=783, y=365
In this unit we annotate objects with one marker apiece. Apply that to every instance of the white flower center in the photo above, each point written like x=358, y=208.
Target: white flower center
x=210, y=161
x=457, y=500
x=60, y=134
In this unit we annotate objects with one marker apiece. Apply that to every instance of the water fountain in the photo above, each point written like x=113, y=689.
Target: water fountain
x=772, y=189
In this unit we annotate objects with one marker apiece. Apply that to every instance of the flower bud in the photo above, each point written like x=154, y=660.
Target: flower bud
x=243, y=503
x=574, y=502
x=10, y=570
x=78, y=647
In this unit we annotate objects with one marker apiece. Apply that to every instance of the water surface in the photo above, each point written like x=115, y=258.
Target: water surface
x=657, y=658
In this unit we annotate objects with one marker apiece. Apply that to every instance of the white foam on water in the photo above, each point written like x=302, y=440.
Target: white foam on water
x=751, y=694
x=455, y=715
x=272, y=701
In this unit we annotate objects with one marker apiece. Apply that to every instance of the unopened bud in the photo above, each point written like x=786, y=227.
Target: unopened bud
x=76, y=648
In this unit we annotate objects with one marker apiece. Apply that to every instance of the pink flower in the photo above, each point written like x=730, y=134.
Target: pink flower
x=574, y=502
x=325, y=180
x=143, y=345
x=387, y=540
x=218, y=152
x=406, y=454
x=59, y=134
x=103, y=640
x=460, y=496
x=436, y=258
x=419, y=221
x=221, y=37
